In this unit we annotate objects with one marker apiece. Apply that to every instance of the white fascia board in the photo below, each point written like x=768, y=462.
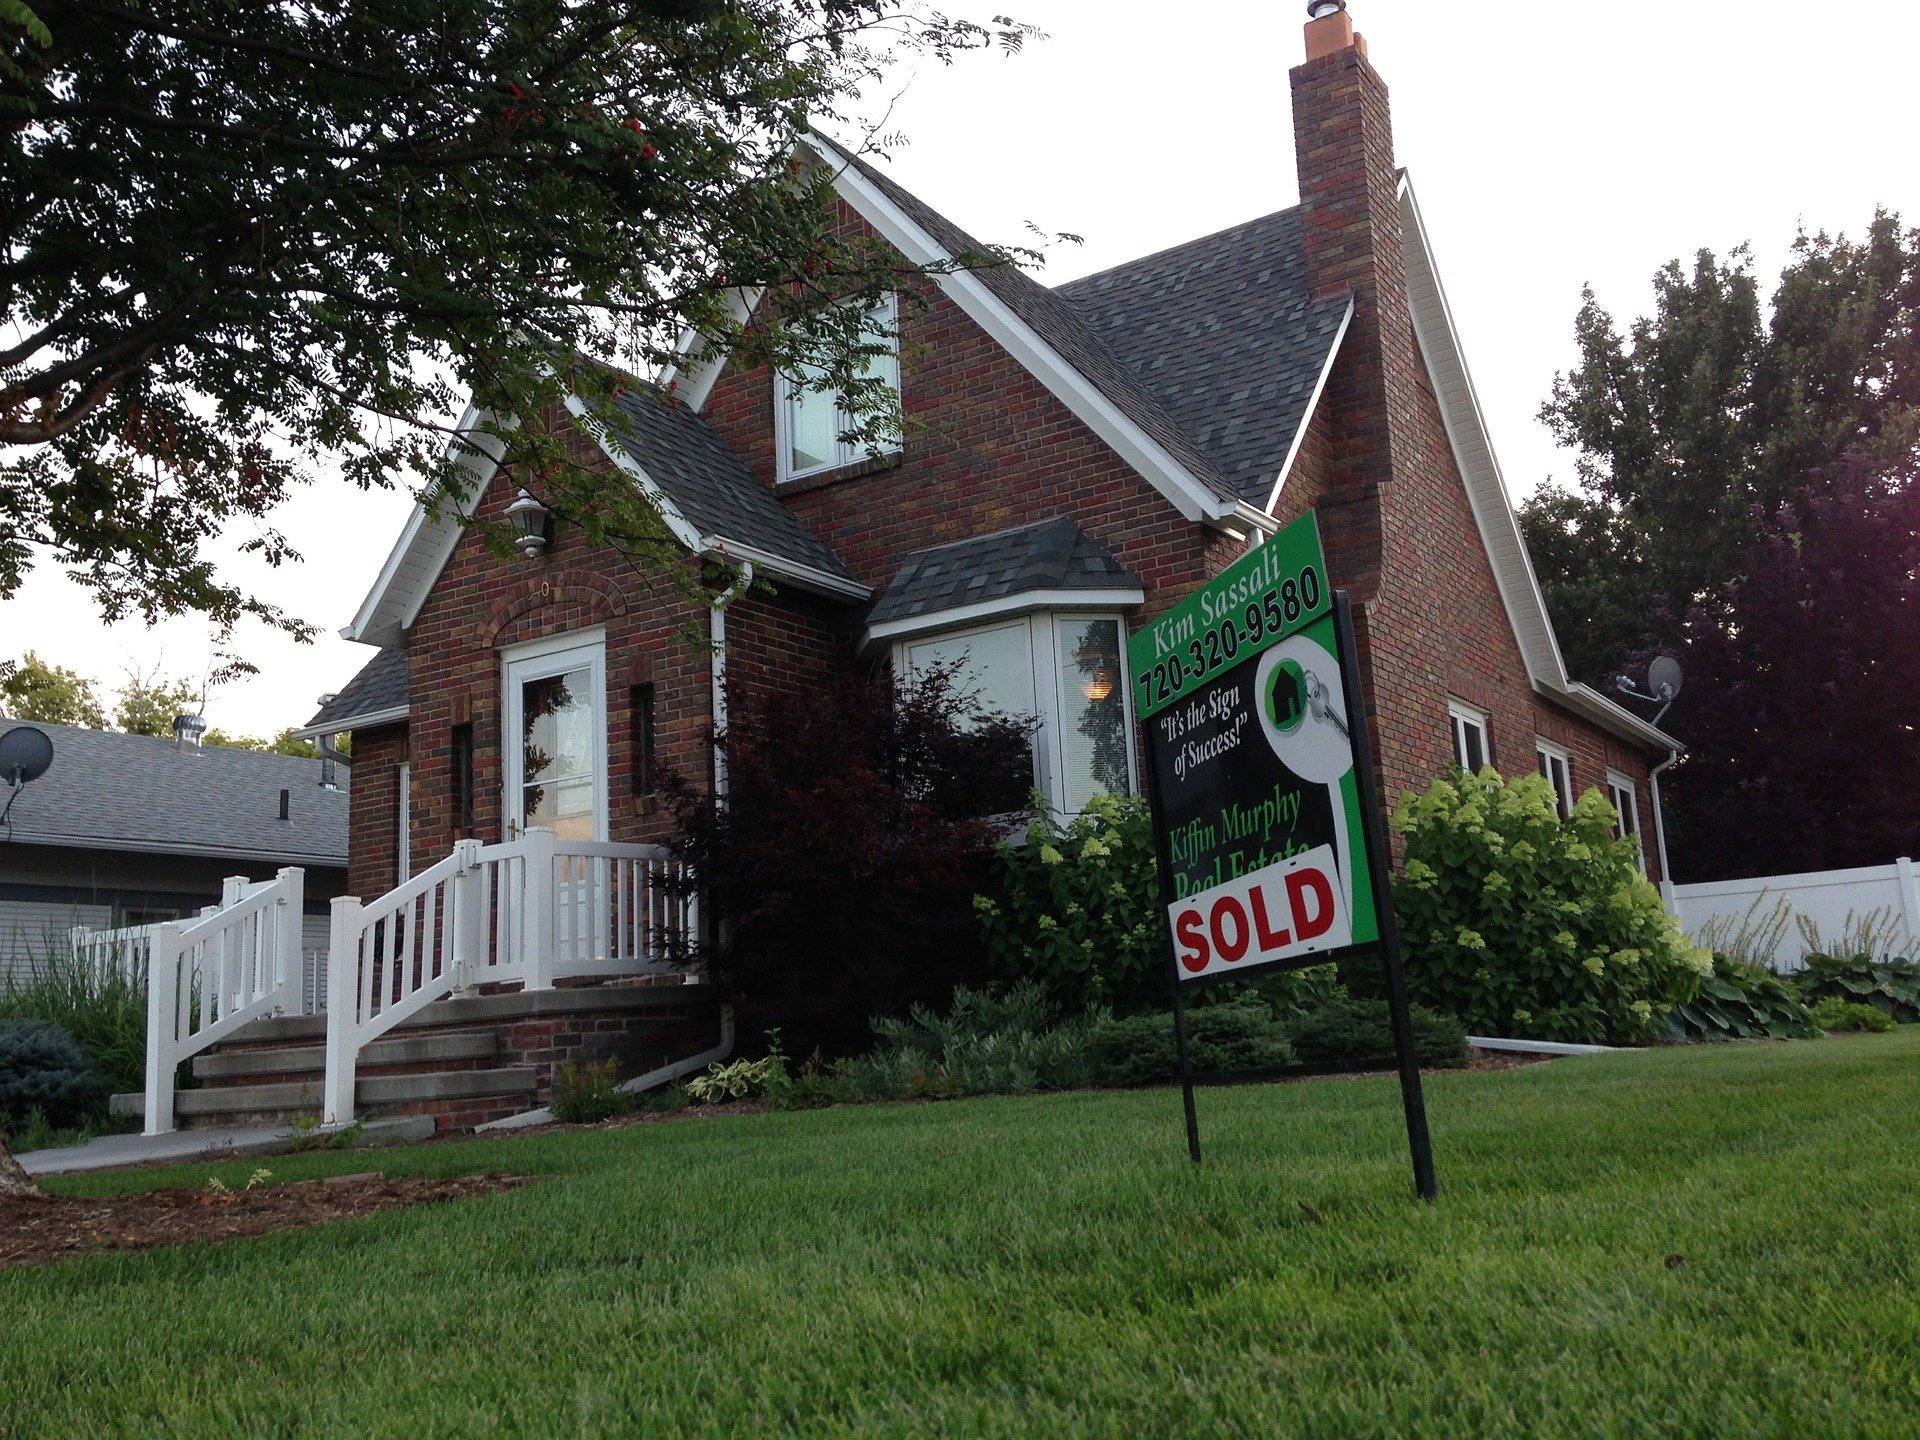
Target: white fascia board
x=677, y=524
x=805, y=576
x=692, y=377
x=365, y=721
x=1120, y=597
x=1313, y=404
x=394, y=602
x=1121, y=433
x=1617, y=718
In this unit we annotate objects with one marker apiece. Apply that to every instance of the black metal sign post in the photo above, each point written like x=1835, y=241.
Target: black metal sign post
x=1266, y=807
x=1411, y=1099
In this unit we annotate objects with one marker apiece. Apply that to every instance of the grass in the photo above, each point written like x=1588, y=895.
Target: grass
x=1053, y=1266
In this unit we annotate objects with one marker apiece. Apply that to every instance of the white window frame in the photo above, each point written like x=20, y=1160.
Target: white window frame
x=539, y=660
x=845, y=453
x=1460, y=717
x=1050, y=700
x=1619, y=788
x=1563, y=792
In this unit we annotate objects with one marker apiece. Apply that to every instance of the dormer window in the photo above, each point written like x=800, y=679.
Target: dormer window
x=811, y=424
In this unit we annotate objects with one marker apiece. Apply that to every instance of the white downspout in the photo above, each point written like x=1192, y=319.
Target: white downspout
x=717, y=632
x=1660, y=830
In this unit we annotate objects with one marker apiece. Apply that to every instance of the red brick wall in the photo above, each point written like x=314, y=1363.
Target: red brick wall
x=373, y=814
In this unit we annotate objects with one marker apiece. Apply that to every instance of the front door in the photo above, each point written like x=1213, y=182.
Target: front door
x=555, y=727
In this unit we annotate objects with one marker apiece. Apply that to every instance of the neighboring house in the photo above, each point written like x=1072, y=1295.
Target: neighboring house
x=1075, y=460
x=130, y=830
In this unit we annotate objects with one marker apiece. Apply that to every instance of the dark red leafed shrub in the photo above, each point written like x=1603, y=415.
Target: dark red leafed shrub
x=843, y=867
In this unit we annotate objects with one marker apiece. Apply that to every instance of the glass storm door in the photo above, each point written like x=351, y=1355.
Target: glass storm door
x=555, y=727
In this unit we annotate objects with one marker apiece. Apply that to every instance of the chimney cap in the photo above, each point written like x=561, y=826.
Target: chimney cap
x=1320, y=9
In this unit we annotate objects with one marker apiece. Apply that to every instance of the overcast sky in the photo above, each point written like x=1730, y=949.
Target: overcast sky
x=1550, y=145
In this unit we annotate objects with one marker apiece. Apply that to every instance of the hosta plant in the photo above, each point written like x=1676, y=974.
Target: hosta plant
x=1738, y=1001
x=1890, y=986
x=1526, y=925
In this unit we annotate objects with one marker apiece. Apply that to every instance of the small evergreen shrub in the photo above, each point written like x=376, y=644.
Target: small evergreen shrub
x=1359, y=1034
x=100, y=1008
x=1890, y=986
x=1843, y=1017
x=1521, y=924
x=1235, y=1037
x=987, y=1044
x=1741, y=1001
x=586, y=1094
x=1075, y=906
x=43, y=1069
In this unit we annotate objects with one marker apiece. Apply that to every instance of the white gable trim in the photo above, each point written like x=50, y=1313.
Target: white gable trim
x=1313, y=403
x=692, y=376
x=677, y=524
x=1025, y=602
x=1493, y=511
x=1122, y=434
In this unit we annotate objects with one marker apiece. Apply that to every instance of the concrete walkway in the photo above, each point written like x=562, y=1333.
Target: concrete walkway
x=112, y=1152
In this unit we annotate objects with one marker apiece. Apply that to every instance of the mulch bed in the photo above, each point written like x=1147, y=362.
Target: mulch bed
x=33, y=1232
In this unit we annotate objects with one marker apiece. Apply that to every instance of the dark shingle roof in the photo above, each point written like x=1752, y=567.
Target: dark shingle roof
x=108, y=791
x=709, y=484
x=380, y=686
x=1051, y=555
x=1224, y=333
x=1059, y=323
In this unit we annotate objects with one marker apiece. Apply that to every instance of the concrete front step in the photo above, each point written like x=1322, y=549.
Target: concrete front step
x=296, y=1059
x=287, y=1099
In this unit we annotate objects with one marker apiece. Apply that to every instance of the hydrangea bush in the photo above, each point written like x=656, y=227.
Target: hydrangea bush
x=1526, y=925
x=1074, y=906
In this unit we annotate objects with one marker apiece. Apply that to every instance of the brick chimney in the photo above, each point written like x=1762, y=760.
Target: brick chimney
x=1350, y=232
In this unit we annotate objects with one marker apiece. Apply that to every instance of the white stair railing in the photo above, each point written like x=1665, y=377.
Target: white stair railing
x=208, y=977
x=122, y=951
x=527, y=912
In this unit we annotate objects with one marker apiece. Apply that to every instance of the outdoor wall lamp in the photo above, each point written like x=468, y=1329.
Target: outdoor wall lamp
x=532, y=524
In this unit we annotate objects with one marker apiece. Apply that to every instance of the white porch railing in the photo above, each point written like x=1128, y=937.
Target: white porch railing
x=208, y=977
x=122, y=951
x=527, y=912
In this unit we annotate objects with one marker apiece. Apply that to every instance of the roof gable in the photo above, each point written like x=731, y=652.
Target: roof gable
x=376, y=695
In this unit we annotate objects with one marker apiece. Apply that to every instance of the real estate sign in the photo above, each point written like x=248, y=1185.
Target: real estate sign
x=1242, y=691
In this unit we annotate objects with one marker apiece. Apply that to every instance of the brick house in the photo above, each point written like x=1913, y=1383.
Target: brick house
x=1074, y=460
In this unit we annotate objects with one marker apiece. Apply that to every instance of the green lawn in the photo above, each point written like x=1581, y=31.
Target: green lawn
x=1053, y=1266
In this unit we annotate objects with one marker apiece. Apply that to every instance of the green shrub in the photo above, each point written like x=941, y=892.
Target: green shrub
x=1359, y=1034
x=737, y=1080
x=1075, y=906
x=105, y=1012
x=1890, y=986
x=44, y=1070
x=988, y=1044
x=585, y=1094
x=1236, y=1037
x=1741, y=1001
x=1839, y=1017
x=814, y=1086
x=1522, y=924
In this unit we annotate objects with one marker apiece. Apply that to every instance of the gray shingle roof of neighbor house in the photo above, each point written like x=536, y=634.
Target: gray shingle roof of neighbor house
x=1058, y=321
x=1050, y=555
x=709, y=484
x=1225, y=334
x=109, y=791
x=379, y=689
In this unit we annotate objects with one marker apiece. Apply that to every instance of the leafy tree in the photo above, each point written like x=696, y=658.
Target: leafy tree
x=1706, y=417
x=31, y=689
x=843, y=867
x=281, y=744
x=149, y=702
x=244, y=239
x=1799, y=708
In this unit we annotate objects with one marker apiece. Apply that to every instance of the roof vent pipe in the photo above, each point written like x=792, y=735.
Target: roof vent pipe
x=188, y=731
x=1320, y=9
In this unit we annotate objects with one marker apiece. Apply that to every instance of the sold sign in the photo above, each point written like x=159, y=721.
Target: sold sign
x=1288, y=909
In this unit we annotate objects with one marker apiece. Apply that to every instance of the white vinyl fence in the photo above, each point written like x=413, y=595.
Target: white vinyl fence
x=1836, y=906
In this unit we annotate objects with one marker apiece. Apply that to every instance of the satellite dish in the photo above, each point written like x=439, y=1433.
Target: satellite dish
x=1663, y=677
x=25, y=754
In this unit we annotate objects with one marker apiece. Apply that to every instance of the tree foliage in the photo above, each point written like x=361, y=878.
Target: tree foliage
x=1705, y=416
x=31, y=689
x=244, y=240
x=149, y=703
x=1802, y=704
x=843, y=865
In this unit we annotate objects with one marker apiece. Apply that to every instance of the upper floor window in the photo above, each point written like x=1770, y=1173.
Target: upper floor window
x=1557, y=765
x=1471, y=752
x=1626, y=823
x=1066, y=670
x=811, y=424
